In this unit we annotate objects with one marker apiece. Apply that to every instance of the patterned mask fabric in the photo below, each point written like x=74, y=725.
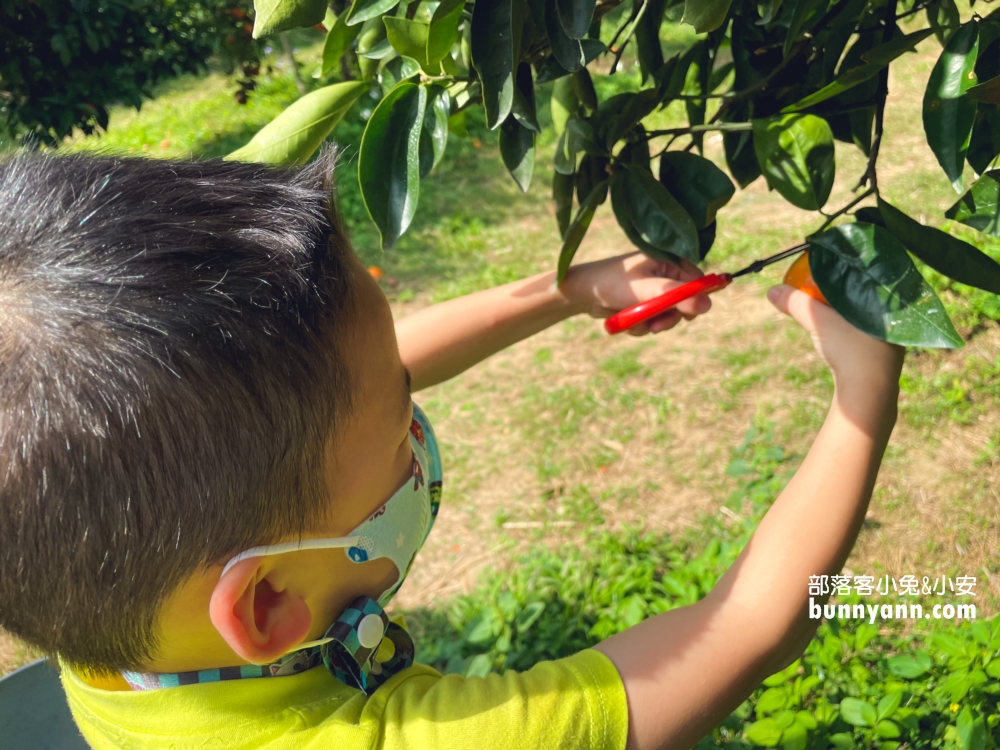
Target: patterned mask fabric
x=362, y=648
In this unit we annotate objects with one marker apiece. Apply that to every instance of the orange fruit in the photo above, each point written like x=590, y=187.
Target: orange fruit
x=799, y=276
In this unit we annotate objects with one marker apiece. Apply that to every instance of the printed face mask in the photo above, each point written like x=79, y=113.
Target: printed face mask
x=362, y=648
x=398, y=529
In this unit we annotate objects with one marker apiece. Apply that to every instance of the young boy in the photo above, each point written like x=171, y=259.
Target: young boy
x=213, y=478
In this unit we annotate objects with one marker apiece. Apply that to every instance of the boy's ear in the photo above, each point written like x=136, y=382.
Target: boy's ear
x=259, y=620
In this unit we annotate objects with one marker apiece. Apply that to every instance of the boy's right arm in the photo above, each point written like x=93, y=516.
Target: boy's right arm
x=687, y=669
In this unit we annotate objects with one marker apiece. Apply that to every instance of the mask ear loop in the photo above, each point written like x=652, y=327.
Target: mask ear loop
x=281, y=549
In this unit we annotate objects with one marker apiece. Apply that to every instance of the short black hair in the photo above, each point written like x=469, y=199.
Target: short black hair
x=169, y=377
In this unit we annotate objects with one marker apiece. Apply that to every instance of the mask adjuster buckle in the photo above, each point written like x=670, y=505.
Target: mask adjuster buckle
x=353, y=643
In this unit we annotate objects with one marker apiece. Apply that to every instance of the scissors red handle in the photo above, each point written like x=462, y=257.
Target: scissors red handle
x=628, y=317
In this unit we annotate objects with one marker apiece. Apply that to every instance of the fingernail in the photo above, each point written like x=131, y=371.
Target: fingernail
x=772, y=293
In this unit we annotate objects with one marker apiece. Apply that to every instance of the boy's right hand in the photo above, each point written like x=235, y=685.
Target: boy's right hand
x=862, y=365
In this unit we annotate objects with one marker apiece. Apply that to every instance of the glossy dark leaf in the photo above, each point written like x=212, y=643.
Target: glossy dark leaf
x=875, y=60
x=629, y=112
x=796, y=155
x=366, y=10
x=575, y=16
x=585, y=91
x=619, y=204
x=987, y=91
x=658, y=218
x=697, y=184
x=389, y=162
x=523, y=104
x=517, y=149
x=578, y=229
x=799, y=21
x=274, y=16
x=294, y=135
x=949, y=255
x=577, y=137
x=496, y=28
x=866, y=275
x=948, y=115
x=550, y=69
x=338, y=40
x=567, y=50
x=436, y=116
x=695, y=84
x=562, y=195
x=705, y=15
x=563, y=104
x=591, y=172
x=944, y=18
x=741, y=158
x=647, y=40
x=396, y=70
x=706, y=238
x=443, y=31
x=980, y=206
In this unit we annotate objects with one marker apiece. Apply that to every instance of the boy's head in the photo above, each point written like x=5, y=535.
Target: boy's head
x=189, y=354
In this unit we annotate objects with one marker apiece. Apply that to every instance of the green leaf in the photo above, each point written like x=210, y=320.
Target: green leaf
x=527, y=616
x=575, y=16
x=888, y=705
x=398, y=69
x=857, y=712
x=697, y=184
x=876, y=59
x=517, y=149
x=993, y=669
x=944, y=18
x=436, y=120
x=794, y=738
x=496, y=29
x=979, y=208
x=523, y=104
x=294, y=135
x=372, y=37
x=971, y=730
x=631, y=108
x=274, y=16
x=949, y=255
x=987, y=91
x=576, y=231
x=659, y=219
x=551, y=69
x=888, y=729
x=562, y=195
x=771, y=700
x=796, y=155
x=948, y=114
x=910, y=666
x=578, y=136
x=566, y=50
x=799, y=21
x=741, y=158
x=619, y=203
x=480, y=666
x=866, y=275
x=443, y=31
x=389, y=162
x=409, y=38
x=592, y=170
x=647, y=40
x=764, y=732
x=563, y=104
x=366, y=10
x=706, y=238
x=706, y=15
x=338, y=40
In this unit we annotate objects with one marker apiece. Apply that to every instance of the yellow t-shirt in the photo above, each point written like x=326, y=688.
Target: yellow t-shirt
x=577, y=702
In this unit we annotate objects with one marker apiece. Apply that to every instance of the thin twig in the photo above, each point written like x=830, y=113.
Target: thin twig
x=628, y=37
x=845, y=209
x=725, y=127
x=870, y=177
x=621, y=29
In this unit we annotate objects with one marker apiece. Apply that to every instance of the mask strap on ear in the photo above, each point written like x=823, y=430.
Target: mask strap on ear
x=281, y=549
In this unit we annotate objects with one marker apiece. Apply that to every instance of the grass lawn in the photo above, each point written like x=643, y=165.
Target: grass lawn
x=572, y=434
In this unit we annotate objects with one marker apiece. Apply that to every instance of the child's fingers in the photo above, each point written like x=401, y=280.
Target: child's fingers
x=798, y=305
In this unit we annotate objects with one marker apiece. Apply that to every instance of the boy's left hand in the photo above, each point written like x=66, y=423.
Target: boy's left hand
x=602, y=288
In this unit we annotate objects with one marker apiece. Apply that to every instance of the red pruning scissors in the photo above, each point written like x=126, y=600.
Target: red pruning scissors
x=707, y=284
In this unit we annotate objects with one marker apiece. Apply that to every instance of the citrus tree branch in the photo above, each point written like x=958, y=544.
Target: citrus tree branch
x=870, y=177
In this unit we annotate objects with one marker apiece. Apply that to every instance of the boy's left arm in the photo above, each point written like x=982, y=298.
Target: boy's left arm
x=443, y=340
